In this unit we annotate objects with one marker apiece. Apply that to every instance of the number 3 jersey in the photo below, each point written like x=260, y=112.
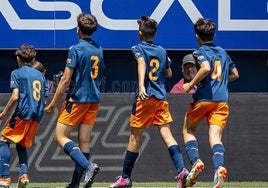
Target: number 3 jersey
x=86, y=58
x=157, y=62
x=214, y=87
x=31, y=84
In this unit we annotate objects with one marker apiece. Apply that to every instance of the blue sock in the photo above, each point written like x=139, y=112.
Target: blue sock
x=192, y=152
x=4, y=159
x=23, y=159
x=176, y=156
x=71, y=149
x=78, y=172
x=218, y=155
x=129, y=162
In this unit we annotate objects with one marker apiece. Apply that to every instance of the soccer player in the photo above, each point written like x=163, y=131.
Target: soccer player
x=215, y=70
x=28, y=94
x=39, y=66
x=82, y=76
x=150, y=106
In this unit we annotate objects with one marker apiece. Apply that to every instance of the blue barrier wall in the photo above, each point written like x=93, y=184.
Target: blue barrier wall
x=245, y=140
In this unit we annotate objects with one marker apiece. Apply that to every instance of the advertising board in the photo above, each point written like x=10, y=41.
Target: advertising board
x=50, y=24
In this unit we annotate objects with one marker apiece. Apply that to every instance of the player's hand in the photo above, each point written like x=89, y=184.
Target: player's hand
x=142, y=93
x=2, y=116
x=50, y=109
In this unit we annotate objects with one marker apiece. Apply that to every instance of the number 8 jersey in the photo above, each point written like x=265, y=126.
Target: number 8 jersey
x=31, y=85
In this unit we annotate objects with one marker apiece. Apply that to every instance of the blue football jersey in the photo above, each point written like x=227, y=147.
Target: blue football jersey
x=31, y=85
x=157, y=62
x=86, y=58
x=215, y=86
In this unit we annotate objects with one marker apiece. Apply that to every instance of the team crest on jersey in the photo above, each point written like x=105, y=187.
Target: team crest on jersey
x=200, y=57
x=137, y=55
x=68, y=60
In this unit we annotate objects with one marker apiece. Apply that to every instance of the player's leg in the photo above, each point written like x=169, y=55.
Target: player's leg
x=175, y=154
x=5, y=179
x=70, y=147
x=191, y=144
x=71, y=115
x=172, y=145
x=72, y=150
x=22, y=132
x=84, y=137
x=30, y=128
x=131, y=156
x=23, y=179
x=191, y=148
x=163, y=119
x=218, y=151
x=62, y=134
x=132, y=151
x=217, y=122
x=140, y=118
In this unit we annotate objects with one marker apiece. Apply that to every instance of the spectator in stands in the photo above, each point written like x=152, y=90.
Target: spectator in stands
x=189, y=70
x=210, y=101
x=55, y=82
x=150, y=106
x=28, y=94
x=82, y=75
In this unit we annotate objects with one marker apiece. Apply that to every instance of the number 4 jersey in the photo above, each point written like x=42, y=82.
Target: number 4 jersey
x=214, y=87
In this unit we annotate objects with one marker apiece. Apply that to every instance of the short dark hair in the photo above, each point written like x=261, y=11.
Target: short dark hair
x=147, y=26
x=26, y=53
x=39, y=66
x=87, y=23
x=205, y=29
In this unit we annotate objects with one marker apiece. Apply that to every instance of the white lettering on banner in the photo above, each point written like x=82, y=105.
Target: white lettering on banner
x=131, y=24
x=228, y=24
x=225, y=23
x=16, y=23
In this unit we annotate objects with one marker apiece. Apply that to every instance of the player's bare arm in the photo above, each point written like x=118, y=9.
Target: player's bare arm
x=200, y=75
x=233, y=75
x=168, y=73
x=12, y=100
x=141, y=76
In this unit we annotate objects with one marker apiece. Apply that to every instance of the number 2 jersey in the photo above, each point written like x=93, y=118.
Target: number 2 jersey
x=86, y=58
x=31, y=84
x=157, y=62
x=214, y=87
